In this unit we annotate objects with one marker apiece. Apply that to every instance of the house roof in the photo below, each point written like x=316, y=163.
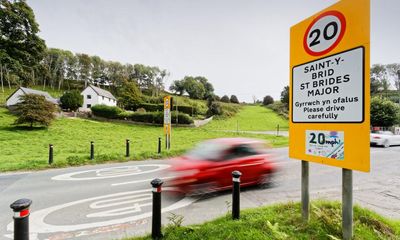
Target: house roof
x=37, y=92
x=102, y=92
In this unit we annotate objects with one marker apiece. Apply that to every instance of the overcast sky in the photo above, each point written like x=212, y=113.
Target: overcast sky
x=242, y=47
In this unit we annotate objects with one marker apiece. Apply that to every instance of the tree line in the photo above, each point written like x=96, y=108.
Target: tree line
x=25, y=60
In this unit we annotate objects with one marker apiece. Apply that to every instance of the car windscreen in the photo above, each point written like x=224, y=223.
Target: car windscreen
x=207, y=151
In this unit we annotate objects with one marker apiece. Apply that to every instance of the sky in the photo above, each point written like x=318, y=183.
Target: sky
x=240, y=46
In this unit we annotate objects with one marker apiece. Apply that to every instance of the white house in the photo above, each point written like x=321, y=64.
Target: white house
x=93, y=95
x=14, y=98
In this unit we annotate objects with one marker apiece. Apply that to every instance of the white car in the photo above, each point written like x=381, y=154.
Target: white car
x=384, y=138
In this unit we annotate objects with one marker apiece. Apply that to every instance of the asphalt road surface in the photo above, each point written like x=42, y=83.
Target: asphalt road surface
x=113, y=201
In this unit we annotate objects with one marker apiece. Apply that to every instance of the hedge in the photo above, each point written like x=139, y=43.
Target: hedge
x=150, y=107
x=106, y=111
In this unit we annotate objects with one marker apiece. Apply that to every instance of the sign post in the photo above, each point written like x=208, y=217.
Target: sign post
x=329, y=96
x=167, y=121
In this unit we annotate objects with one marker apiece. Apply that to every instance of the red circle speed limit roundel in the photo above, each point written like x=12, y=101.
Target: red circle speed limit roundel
x=324, y=33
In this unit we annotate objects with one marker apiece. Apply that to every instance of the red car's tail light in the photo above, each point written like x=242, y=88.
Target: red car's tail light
x=376, y=137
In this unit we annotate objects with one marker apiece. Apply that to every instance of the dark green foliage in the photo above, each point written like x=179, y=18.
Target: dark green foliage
x=129, y=97
x=178, y=87
x=71, y=100
x=280, y=108
x=225, y=99
x=234, y=99
x=214, y=109
x=150, y=107
x=268, y=100
x=106, y=111
x=21, y=49
x=285, y=96
x=155, y=117
x=188, y=110
x=34, y=109
x=384, y=113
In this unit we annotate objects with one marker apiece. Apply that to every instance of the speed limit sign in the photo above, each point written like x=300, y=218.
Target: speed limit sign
x=324, y=33
x=329, y=86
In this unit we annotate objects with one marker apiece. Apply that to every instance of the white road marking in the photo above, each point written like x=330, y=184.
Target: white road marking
x=38, y=224
x=138, y=181
x=112, y=172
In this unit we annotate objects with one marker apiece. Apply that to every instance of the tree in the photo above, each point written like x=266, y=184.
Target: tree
x=384, y=113
x=22, y=48
x=225, y=99
x=194, y=88
x=379, y=74
x=35, y=109
x=234, y=99
x=71, y=100
x=285, y=96
x=178, y=87
x=208, y=87
x=268, y=100
x=130, y=96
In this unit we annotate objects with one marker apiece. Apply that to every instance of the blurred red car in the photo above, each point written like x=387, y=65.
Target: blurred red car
x=208, y=167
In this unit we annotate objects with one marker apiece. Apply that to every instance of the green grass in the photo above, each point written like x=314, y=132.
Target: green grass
x=283, y=221
x=250, y=118
x=22, y=148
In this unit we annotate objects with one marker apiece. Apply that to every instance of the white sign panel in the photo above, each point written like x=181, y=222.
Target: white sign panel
x=329, y=144
x=167, y=116
x=330, y=90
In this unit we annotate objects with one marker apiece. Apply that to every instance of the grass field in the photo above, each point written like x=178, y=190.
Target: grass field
x=22, y=148
x=250, y=118
x=283, y=221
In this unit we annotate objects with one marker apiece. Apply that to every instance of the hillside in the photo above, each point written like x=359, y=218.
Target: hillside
x=23, y=148
x=250, y=118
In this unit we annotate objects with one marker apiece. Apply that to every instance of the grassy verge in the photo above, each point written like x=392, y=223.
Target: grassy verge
x=250, y=118
x=25, y=149
x=283, y=221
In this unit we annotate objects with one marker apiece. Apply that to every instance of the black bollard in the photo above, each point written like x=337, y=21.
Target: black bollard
x=159, y=145
x=277, y=130
x=21, y=218
x=91, y=150
x=50, y=154
x=236, y=195
x=156, y=218
x=127, y=148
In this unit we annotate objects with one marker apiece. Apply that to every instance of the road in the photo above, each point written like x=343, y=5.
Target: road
x=112, y=201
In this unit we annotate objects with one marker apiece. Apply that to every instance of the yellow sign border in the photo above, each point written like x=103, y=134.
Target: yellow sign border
x=357, y=152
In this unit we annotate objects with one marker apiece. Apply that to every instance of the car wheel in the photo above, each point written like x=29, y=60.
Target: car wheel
x=386, y=144
x=266, y=180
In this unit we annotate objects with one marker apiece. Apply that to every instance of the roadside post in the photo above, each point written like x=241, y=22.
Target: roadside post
x=330, y=97
x=91, y=150
x=50, y=154
x=127, y=145
x=167, y=120
x=159, y=145
x=236, y=194
x=21, y=218
x=156, y=214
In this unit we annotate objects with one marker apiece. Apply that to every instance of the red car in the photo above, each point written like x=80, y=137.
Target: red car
x=208, y=167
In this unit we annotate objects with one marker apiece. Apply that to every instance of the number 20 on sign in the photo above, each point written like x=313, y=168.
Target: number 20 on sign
x=329, y=86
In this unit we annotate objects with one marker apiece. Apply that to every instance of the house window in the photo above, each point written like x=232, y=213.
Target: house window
x=103, y=98
x=88, y=105
x=88, y=96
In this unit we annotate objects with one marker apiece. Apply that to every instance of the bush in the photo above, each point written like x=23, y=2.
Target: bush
x=268, y=100
x=71, y=100
x=156, y=117
x=384, y=113
x=225, y=99
x=150, y=107
x=280, y=109
x=234, y=99
x=106, y=111
x=214, y=109
x=188, y=110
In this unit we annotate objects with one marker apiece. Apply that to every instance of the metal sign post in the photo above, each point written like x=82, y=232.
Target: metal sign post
x=330, y=96
x=167, y=121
